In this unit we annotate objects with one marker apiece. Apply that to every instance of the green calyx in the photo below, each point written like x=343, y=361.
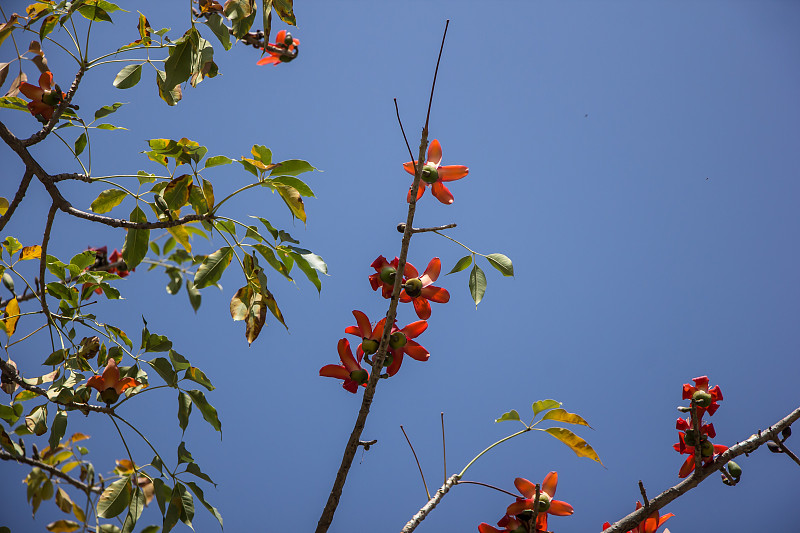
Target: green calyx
x=109, y=396
x=288, y=40
x=369, y=346
x=706, y=448
x=702, y=398
x=430, y=174
x=388, y=274
x=544, y=502
x=397, y=340
x=360, y=376
x=734, y=470
x=413, y=287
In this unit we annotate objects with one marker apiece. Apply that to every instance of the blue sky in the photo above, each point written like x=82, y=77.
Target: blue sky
x=637, y=161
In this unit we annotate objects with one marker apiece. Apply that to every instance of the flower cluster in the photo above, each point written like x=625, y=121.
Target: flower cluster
x=649, y=524
x=704, y=399
x=520, y=513
x=416, y=289
x=281, y=51
x=103, y=260
x=44, y=98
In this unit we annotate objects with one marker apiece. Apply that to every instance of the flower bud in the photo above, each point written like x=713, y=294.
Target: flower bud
x=369, y=346
x=786, y=433
x=397, y=340
x=388, y=274
x=702, y=398
x=413, y=287
x=430, y=174
x=734, y=470
x=360, y=376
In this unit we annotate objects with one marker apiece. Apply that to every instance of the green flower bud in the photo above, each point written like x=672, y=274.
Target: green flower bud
x=702, y=398
x=388, y=274
x=430, y=174
x=369, y=346
x=413, y=287
x=398, y=340
x=707, y=448
x=734, y=470
x=360, y=376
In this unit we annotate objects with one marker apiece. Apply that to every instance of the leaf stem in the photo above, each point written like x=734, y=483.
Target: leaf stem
x=520, y=432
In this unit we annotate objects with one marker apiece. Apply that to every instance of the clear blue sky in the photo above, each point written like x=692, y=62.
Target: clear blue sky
x=637, y=161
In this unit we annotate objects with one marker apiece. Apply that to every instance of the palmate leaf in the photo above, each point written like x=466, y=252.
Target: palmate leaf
x=575, y=443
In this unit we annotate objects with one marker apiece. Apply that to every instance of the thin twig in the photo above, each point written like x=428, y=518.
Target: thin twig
x=644, y=497
x=53, y=471
x=402, y=227
x=659, y=502
x=427, y=492
x=462, y=482
x=403, y=131
x=444, y=451
x=786, y=450
x=435, y=73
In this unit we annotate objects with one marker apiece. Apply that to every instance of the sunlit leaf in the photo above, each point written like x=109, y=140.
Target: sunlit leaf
x=12, y=312
x=114, y=499
x=58, y=429
x=197, y=375
x=62, y=526
x=108, y=200
x=31, y=252
x=207, y=410
x=199, y=493
x=575, y=443
x=128, y=77
x=218, y=160
x=218, y=27
x=291, y=167
x=212, y=268
x=80, y=143
x=511, y=415
x=184, y=410
x=477, y=284
x=107, y=110
x=135, y=247
x=561, y=415
x=293, y=200
x=501, y=263
x=543, y=405
x=462, y=264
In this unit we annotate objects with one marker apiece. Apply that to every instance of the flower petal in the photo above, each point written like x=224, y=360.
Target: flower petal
x=431, y=272
x=423, y=308
x=409, y=167
x=525, y=487
x=346, y=355
x=549, y=484
x=483, y=527
x=281, y=35
x=415, y=351
x=46, y=80
x=452, y=172
x=420, y=191
x=415, y=329
x=397, y=360
x=687, y=467
x=435, y=294
x=520, y=506
x=334, y=371
x=31, y=91
x=111, y=374
x=363, y=324
x=435, y=152
x=410, y=271
x=353, y=330
x=559, y=508
x=442, y=193
x=125, y=384
x=96, y=382
x=268, y=60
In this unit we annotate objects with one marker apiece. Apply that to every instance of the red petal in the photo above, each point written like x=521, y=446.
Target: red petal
x=716, y=393
x=431, y=272
x=483, y=527
x=435, y=294
x=409, y=167
x=363, y=324
x=688, y=390
x=415, y=329
x=687, y=467
x=405, y=298
x=409, y=271
x=541, y=521
x=125, y=384
x=559, y=508
x=701, y=383
x=414, y=350
x=31, y=91
x=396, y=362
x=380, y=263
x=46, y=80
x=520, y=506
x=346, y=355
x=435, y=153
x=268, y=60
x=549, y=484
x=423, y=308
x=442, y=193
x=334, y=371
x=682, y=424
x=377, y=333
x=525, y=487
x=353, y=330
x=452, y=172
x=350, y=386
x=96, y=382
x=280, y=36
x=420, y=191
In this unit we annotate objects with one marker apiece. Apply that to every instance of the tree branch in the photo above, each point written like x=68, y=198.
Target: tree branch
x=53, y=471
x=632, y=520
x=431, y=505
x=23, y=188
x=41, y=134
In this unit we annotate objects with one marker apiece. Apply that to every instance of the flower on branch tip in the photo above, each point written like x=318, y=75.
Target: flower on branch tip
x=708, y=451
x=109, y=385
x=419, y=289
x=400, y=341
x=433, y=174
x=649, y=524
x=44, y=98
x=281, y=51
x=700, y=392
x=350, y=370
x=385, y=274
x=508, y=523
x=547, y=505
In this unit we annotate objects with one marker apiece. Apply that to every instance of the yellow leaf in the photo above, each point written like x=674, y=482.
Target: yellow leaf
x=3, y=206
x=31, y=252
x=292, y=198
x=575, y=443
x=77, y=437
x=63, y=526
x=182, y=236
x=561, y=415
x=12, y=312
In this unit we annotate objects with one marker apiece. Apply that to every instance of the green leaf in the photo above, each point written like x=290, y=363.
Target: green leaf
x=218, y=160
x=171, y=95
x=561, y=415
x=212, y=268
x=108, y=200
x=176, y=193
x=94, y=12
x=135, y=247
x=183, y=454
x=3, y=205
x=184, y=410
x=58, y=428
x=128, y=77
x=36, y=421
x=164, y=369
x=291, y=167
x=175, y=280
x=462, y=264
x=179, y=362
x=114, y=499
x=284, y=10
x=109, y=127
x=206, y=409
x=511, y=415
x=307, y=269
x=48, y=24
x=501, y=263
x=219, y=28
x=197, y=375
x=193, y=468
x=56, y=357
x=477, y=284
x=83, y=260
x=199, y=493
x=575, y=443
x=273, y=261
x=543, y=405
x=134, y=510
x=293, y=200
x=13, y=102
x=80, y=143
x=293, y=182
x=262, y=153
x=194, y=295
x=107, y=110
x=266, y=17
x=187, y=503
x=178, y=66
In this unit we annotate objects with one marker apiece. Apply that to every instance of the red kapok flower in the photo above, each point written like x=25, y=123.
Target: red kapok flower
x=277, y=57
x=650, y=524
x=508, y=523
x=44, y=97
x=113, y=258
x=400, y=341
x=419, y=289
x=701, y=384
x=547, y=505
x=708, y=452
x=350, y=370
x=109, y=385
x=385, y=273
x=434, y=174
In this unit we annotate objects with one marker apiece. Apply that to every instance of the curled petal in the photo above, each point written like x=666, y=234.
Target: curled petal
x=422, y=308
x=483, y=527
x=380, y=263
x=442, y=193
x=682, y=424
x=353, y=330
x=269, y=60
x=549, y=484
x=559, y=508
x=334, y=371
x=31, y=91
x=435, y=294
x=431, y=272
x=525, y=487
x=435, y=153
x=415, y=351
x=452, y=172
x=409, y=167
x=688, y=390
x=701, y=383
x=350, y=386
x=404, y=297
x=686, y=467
x=363, y=324
x=96, y=382
x=377, y=333
x=397, y=360
x=125, y=384
x=410, y=271
x=519, y=506
x=541, y=522
x=716, y=393
x=279, y=38
x=46, y=80
x=710, y=431
x=346, y=355
x=415, y=329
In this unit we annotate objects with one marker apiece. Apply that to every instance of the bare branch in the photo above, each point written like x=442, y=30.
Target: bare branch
x=402, y=227
x=53, y=471
x=431, y=505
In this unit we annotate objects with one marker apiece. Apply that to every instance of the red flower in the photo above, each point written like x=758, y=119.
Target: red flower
x=113, y=258
x=684, y=424
x=701, y=384
x=508, y=523
x=419, y=289
x=350, y=370
x=708, y=452
x=385, y=273
x=109, y=385
x=400, y=341
x=547, y=505
x=281, y=56
x=434, y=174
x=649, y=524
x=44, y=98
